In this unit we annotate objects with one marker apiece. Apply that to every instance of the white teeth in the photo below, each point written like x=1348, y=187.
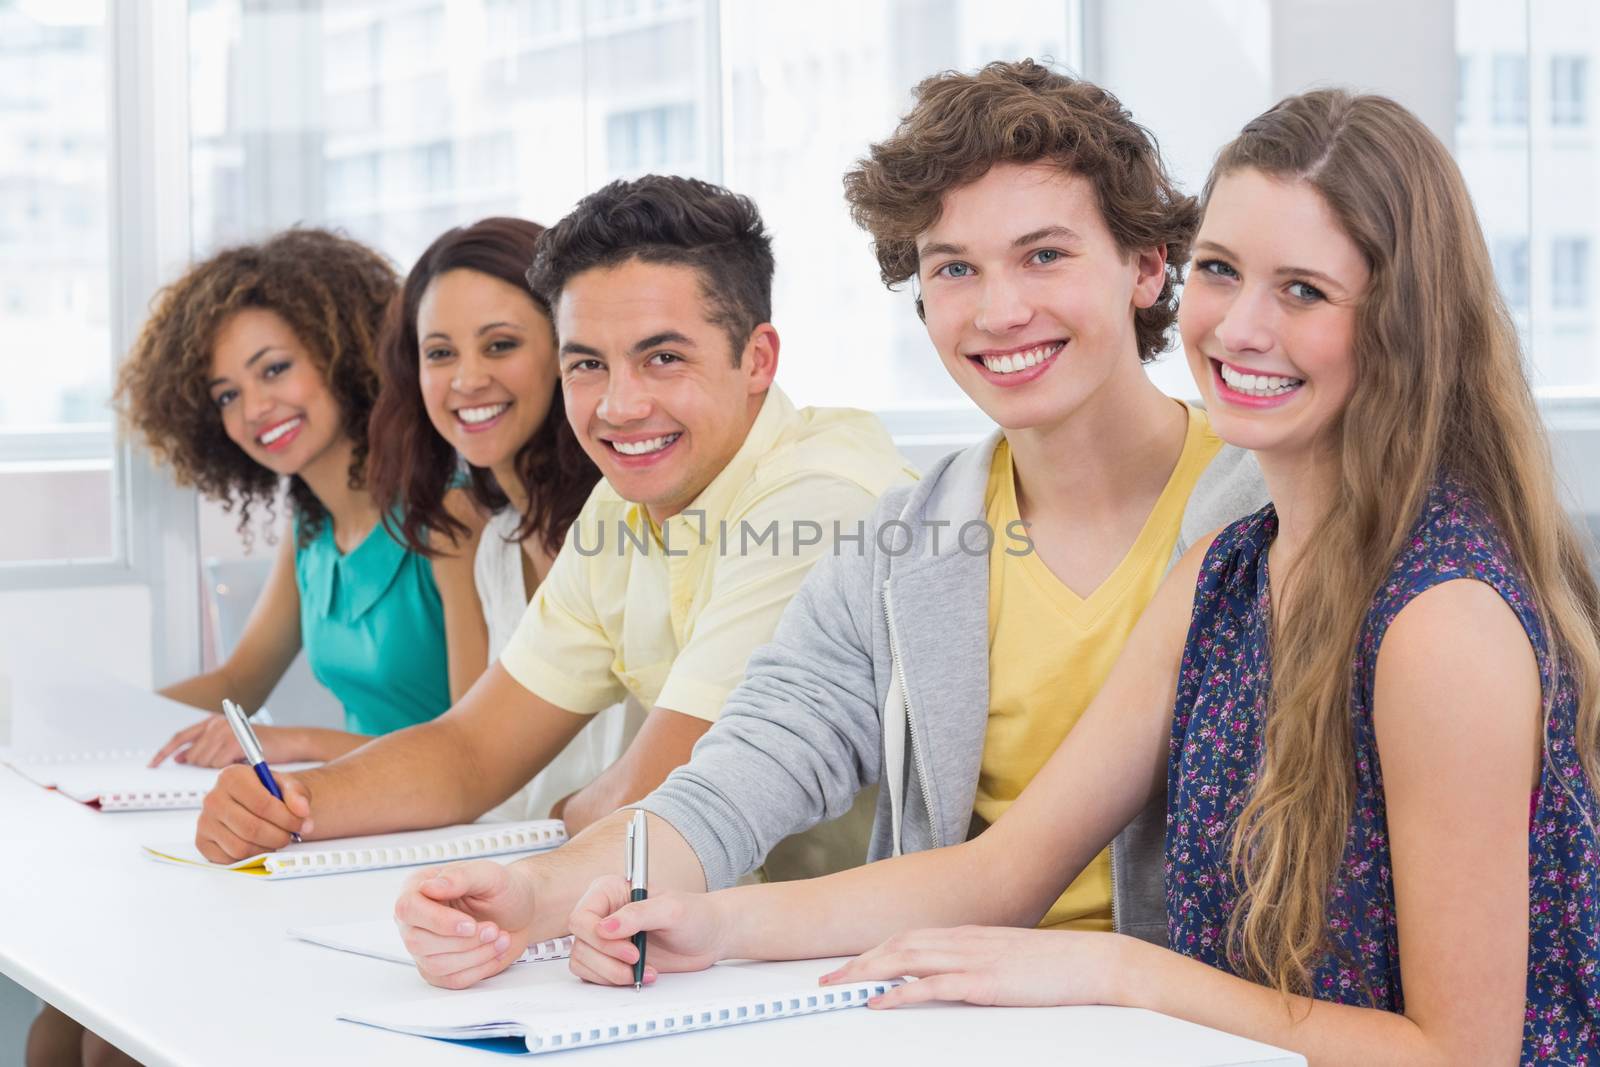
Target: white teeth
x=1018, y=361
x=641, y=448
x=1258, y=384
x=473, y=416
x=278, y=431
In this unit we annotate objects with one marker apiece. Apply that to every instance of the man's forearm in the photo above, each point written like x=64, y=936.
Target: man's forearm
x=560, y=878
x=412, y=779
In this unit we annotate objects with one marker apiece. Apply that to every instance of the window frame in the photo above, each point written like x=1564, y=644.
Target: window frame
x=154, y=540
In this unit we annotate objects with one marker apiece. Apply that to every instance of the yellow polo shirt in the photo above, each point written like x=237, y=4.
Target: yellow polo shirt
x=671, y=615
x=1050, y=651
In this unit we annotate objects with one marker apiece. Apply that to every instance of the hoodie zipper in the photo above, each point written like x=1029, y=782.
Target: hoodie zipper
x=1116, y=912
x=905, y=699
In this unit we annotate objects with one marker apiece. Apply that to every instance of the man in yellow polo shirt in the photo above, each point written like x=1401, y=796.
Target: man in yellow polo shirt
x=718, y=497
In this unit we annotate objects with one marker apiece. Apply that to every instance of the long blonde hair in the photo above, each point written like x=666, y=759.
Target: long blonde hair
x=1440, y=389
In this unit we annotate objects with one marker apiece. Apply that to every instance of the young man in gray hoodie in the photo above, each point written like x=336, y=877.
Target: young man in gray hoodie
x=947, y=650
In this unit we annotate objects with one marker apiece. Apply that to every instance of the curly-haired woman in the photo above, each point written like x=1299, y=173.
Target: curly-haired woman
x=259, y=365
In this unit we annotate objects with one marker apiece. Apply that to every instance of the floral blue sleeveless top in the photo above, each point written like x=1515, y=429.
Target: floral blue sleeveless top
x=1216, y=748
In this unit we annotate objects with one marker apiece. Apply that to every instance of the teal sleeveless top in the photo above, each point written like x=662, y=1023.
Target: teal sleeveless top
x=372, y=625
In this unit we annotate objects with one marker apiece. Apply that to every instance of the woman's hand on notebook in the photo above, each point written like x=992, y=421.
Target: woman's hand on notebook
x=240, y=818
x=686, y=932
x=994, y=965
x=465, y=922
x=210, y=743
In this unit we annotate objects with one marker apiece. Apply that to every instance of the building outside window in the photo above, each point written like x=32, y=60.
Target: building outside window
x=1569, y=273
x=1511, y=270
x=1569, y=90
x=1510, y=103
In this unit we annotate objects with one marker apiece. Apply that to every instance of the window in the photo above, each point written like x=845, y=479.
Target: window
x=1510, y=104
x=56, y=461
x=1569, y=90
x=1511, y=270
x=1463, y=89
x=652, y=139
x=1569, y=273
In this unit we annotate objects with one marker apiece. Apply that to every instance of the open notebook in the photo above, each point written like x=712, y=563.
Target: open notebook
x=380, y=939
x=91, y=739
x=122, y=781
x=559, y=1012
x=339, y=855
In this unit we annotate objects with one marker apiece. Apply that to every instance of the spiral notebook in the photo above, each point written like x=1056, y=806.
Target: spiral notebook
x=341, y=855
x=122, y=780
x=380, y=939
x=556, y=1011
x=118, y=781
x=91, y=739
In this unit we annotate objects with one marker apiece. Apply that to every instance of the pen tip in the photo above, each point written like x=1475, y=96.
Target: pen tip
x=638, y=986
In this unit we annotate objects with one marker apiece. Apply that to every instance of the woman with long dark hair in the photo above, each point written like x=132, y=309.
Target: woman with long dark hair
x=472, y=393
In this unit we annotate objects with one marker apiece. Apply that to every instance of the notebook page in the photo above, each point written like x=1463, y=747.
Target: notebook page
x=129, y=784
x=443, y=845
x=560, y=1011
x=76, y=713
x=380, y=939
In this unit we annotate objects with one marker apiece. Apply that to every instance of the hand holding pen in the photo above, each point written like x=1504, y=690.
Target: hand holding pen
x=638, y=864
x=252, y=749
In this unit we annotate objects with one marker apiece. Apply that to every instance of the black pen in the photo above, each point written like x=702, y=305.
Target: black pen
x=638, y=860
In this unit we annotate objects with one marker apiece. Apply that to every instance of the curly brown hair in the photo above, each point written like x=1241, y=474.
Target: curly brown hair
x=331, y=290
x=410, y=474
x=1022, y=112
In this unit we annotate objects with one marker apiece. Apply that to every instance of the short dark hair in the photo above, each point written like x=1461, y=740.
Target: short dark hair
x=414, y=467
x=667, y=219
x=1024, y=112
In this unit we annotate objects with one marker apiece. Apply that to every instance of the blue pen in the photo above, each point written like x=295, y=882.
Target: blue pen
x=252, y=749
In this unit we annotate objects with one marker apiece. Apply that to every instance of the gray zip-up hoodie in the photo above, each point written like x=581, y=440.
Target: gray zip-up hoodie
x=879, y=672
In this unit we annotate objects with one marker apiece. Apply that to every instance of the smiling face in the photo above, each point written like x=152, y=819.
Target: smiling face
x=272, y=396
x=486, y=364
x=1269, y=313
x=1026, y=296
x=650, y=384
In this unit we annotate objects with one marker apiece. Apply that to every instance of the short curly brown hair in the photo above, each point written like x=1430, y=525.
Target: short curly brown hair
x=1022, y=112
x=331, y=290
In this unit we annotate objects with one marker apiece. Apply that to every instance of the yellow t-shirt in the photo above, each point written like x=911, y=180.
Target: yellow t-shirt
x=1050, y=650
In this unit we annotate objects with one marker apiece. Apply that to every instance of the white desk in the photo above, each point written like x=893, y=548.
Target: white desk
x=187, y=967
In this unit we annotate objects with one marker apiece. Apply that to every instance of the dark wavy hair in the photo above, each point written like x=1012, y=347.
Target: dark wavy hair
x=668, y=219
x=1022, y=112
x=411, y=473
x=331, y=290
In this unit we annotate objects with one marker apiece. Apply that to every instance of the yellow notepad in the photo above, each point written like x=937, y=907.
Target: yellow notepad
x=443, y=845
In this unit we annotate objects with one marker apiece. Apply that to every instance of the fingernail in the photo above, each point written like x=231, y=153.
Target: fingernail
x=465, y=928
x=305, y=827
x=825, y=979
x=502, y=943
x=649, y=975
x=486, y=933
x=609, y=924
